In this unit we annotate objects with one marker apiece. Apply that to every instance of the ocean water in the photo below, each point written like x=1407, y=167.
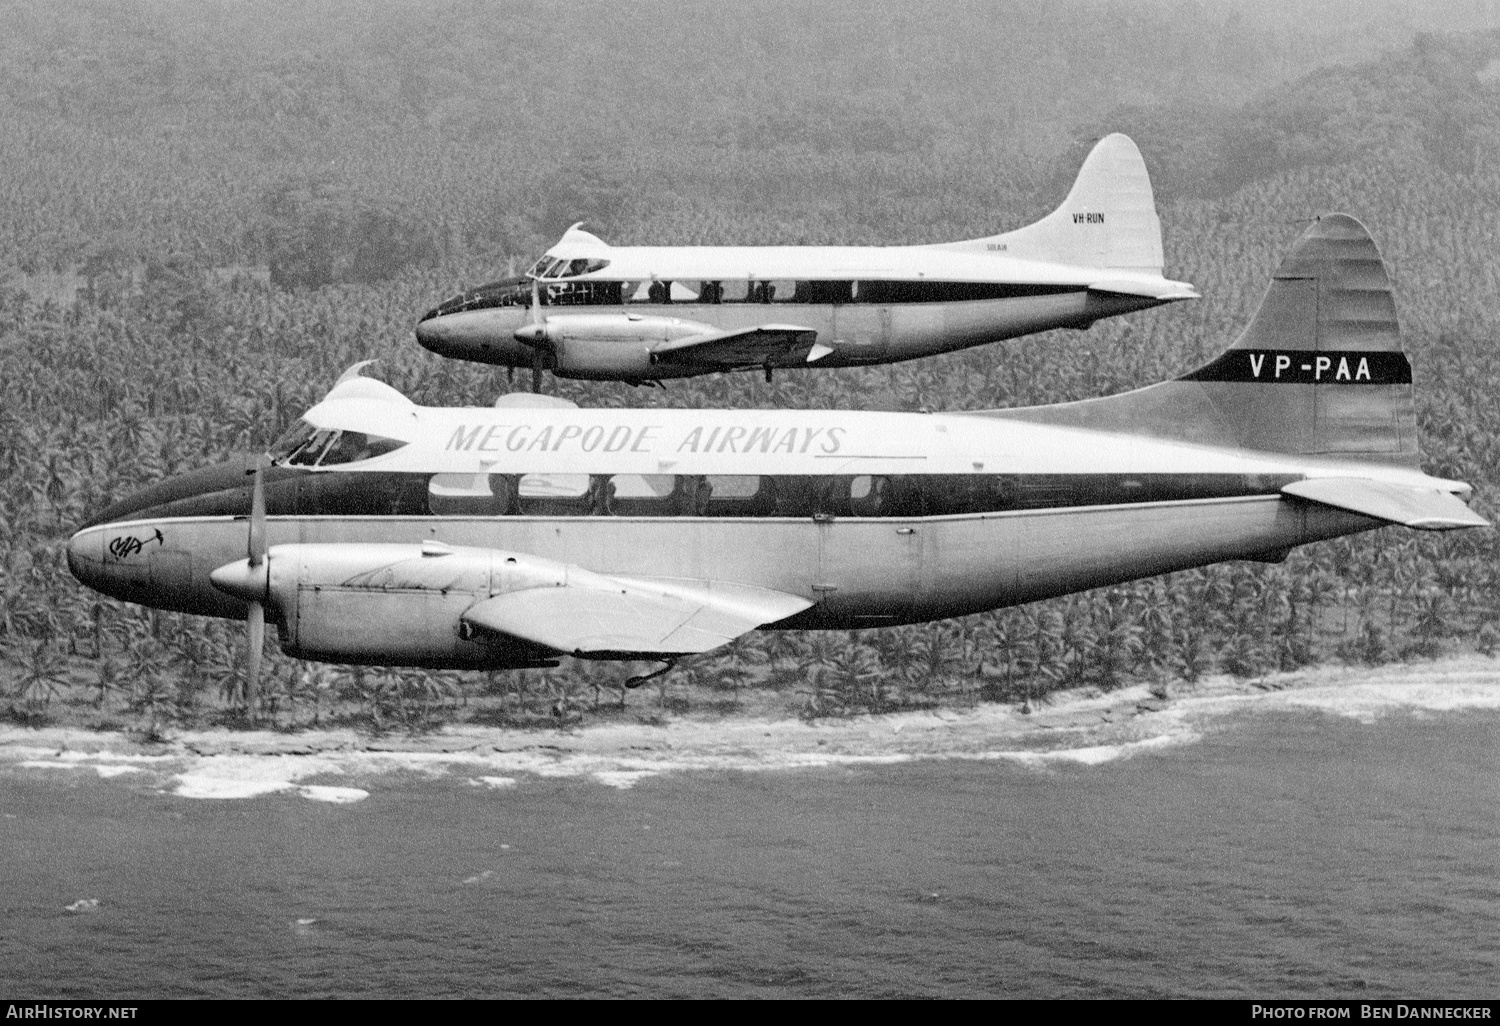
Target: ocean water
x=1272, y=851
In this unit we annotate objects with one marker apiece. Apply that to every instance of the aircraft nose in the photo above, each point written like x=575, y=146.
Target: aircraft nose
x=86, y=556
x=482, y=335
x=433, y=334
x=458, y=335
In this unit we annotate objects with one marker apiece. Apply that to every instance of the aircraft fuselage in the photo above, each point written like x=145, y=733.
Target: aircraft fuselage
x=870, y=519
x=858, y=572
x=859, y=334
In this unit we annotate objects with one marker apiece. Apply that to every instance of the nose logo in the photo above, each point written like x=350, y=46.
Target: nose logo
x=127, y=545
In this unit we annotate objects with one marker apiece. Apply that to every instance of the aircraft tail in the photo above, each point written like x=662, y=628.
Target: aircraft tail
x=1318, y=371
x=1108, y=220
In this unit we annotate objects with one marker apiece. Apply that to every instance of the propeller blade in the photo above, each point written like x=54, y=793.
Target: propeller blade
x=256, y=547
x=255, y=617
x=255, y=621
x=534, y=334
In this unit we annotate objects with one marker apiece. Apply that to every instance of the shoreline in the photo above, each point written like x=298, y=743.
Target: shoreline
x=1081, y=727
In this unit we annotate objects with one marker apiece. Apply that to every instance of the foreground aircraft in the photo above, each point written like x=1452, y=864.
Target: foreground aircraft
x=644, y=313
x=384, y=532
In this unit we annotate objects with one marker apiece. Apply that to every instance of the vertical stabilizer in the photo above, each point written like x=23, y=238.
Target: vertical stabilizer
x=1108, y=220
x=1318, y=371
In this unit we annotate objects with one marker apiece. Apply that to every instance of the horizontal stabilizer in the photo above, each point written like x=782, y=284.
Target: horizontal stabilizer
x=1163, y=289
x=1421, y=508
x=631, y=619
x=739, y=347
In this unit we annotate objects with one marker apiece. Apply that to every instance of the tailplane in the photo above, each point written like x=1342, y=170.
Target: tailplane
x=1318, y=371
x=1108, y=220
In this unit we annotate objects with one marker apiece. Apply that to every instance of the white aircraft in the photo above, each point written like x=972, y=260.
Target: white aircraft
x=507, y=536
x=644, y=313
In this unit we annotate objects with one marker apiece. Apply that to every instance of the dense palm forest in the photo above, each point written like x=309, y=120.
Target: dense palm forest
x=208, y=210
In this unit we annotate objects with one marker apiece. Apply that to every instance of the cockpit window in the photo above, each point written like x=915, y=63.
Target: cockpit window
x=353, y=446
x=308, y=446
x=550, y=267
x=297, y=436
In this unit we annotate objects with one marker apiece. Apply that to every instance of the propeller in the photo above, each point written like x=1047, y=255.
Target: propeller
x=249, y=580
x=255, y=619
x=535, y=335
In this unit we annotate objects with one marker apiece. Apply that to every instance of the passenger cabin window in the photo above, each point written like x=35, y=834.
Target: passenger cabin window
x=388, y=493
x=660, y=293
x=739, y=496
x=472, y=495
x=880, y=496
x=776, y=291
x=651, y=495
x=556, y=495
x=824, y=292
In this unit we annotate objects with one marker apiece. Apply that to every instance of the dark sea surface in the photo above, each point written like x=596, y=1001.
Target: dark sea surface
x=1283, y=853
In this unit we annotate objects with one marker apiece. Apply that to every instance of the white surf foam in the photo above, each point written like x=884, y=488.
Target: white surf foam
x=104, y=769
x=1368, y=702
x=1386, y=692
x=1087, y=730
x=623, y=779
x=227, y=777
x=335, y=795
x=1098, y=755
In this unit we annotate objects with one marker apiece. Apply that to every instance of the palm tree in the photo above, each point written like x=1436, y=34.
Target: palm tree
x=42, y=675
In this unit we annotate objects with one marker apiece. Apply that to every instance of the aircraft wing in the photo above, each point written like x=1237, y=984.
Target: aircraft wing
x=1421, y=508
x=632, y=618
x=742, y=347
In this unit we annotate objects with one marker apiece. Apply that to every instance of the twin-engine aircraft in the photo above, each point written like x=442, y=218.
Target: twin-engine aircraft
x=645, y=313
x=385, y=532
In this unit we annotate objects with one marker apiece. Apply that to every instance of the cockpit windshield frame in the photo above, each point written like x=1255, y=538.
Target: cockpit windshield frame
x=306, y=445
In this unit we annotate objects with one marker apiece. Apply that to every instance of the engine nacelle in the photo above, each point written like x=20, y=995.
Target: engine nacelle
x=587, y=358
x=608, y=346
x=378, y=604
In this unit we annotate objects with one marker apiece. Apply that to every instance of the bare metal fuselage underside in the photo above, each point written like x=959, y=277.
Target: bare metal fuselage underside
x=858, y=572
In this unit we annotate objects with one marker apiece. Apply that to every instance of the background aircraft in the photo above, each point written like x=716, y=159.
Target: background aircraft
x=643, y=313
x=507, y=536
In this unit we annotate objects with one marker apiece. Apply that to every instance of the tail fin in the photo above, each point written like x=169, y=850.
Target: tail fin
x=1318, y=371
x=1108, y=220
